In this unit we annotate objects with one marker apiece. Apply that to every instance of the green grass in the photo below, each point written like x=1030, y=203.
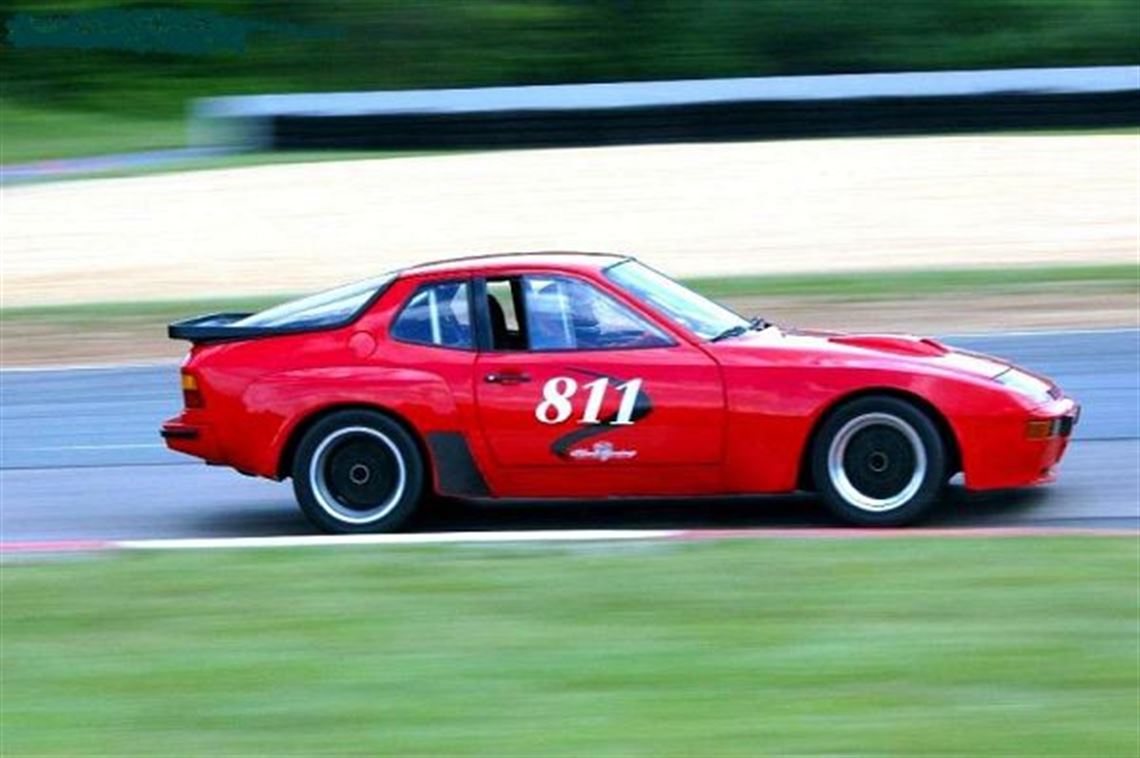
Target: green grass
x=141, y=311
x=1059, y=131
x=1022, y=646
x=916, y=283
x=30, y=133
x=239, y=160
x=242, y=160
x=863, y=285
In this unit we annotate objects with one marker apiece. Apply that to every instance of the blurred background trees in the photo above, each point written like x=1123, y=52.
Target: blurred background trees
x=384, y=44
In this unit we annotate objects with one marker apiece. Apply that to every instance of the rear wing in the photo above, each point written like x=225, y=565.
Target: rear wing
x=216, y=327
x=222, y=327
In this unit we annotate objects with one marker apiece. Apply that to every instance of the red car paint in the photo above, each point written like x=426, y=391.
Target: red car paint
x=729, y=417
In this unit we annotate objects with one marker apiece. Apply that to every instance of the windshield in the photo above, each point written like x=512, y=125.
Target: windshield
x=329, y=308
x=680, y=304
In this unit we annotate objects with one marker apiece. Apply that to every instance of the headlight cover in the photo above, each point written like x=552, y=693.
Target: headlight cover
x=1025, y=385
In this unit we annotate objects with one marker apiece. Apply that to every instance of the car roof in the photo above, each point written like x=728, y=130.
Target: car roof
x=551, y=260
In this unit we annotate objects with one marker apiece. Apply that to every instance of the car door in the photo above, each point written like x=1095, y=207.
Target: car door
x=577, y=384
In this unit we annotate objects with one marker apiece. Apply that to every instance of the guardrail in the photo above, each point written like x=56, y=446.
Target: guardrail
x=675, y=111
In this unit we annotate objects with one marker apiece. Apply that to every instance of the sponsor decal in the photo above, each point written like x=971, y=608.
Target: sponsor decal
x=602, y=451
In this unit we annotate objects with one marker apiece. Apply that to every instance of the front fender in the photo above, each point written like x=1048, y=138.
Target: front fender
x=774, y=411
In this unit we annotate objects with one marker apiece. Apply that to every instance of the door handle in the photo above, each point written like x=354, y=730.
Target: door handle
x=506, y=377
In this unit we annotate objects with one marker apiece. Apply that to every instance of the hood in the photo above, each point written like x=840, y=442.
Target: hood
x=895, y=348
x=923, y=347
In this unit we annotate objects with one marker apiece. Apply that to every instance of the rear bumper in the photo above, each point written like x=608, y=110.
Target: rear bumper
x=192, y=438
x=1001, y=453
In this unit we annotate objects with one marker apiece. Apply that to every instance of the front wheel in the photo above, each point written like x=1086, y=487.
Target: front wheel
x=879, y=461
x=357, y=471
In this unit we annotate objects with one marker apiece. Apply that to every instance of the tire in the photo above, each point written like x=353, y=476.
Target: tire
x=356, y=472
x=879, y=461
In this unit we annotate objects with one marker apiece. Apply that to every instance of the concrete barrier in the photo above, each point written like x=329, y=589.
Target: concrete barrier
x=675, y=111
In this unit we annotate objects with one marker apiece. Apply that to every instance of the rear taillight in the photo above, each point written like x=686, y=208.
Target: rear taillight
x=191, y=395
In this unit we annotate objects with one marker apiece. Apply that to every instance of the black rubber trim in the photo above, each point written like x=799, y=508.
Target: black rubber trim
x=212, y=327
x=458, y=474
x=179, y=434
x=480, y=318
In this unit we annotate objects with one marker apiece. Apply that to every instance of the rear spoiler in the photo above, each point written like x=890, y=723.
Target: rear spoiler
x=216, y=327
x=220, y=327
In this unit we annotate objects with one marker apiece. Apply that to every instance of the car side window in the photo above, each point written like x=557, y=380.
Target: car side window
x=563, y=313
x=437, y=314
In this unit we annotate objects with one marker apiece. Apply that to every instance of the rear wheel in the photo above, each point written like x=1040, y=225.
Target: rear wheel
x=879, y=461
x=357, y=471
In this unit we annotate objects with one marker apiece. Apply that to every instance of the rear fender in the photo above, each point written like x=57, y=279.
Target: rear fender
x=277, y=404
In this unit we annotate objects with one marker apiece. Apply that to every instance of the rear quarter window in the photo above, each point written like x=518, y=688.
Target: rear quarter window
x=437, y=314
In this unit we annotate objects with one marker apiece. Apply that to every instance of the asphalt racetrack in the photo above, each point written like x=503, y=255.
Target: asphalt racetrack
x=80, y=459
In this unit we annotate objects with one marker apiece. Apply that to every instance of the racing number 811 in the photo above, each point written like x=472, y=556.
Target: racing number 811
x=555, y=407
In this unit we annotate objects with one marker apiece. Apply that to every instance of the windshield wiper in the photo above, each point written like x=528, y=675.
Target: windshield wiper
x=758, y=324
x=755, y=324
x=732, y=331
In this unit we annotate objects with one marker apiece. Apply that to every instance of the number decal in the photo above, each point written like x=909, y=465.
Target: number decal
x=629, y=392
x=594, y=402
x=555, y=407
x=556, y=396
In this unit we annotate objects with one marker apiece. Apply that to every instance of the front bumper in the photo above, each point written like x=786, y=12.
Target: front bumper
x=1002, y=453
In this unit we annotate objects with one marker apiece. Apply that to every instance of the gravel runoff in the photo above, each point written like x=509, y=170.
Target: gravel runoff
x=703, y=209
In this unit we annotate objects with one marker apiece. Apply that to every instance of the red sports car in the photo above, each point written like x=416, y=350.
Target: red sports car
x=571, y=375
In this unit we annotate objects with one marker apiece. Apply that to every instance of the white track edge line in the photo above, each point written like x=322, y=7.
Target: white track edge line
x=436, y=538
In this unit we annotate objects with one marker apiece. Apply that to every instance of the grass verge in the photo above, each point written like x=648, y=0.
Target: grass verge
x=29, y=133
x=859, y=285
x=235, y=160
x=894, y=285
x=902, y=646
